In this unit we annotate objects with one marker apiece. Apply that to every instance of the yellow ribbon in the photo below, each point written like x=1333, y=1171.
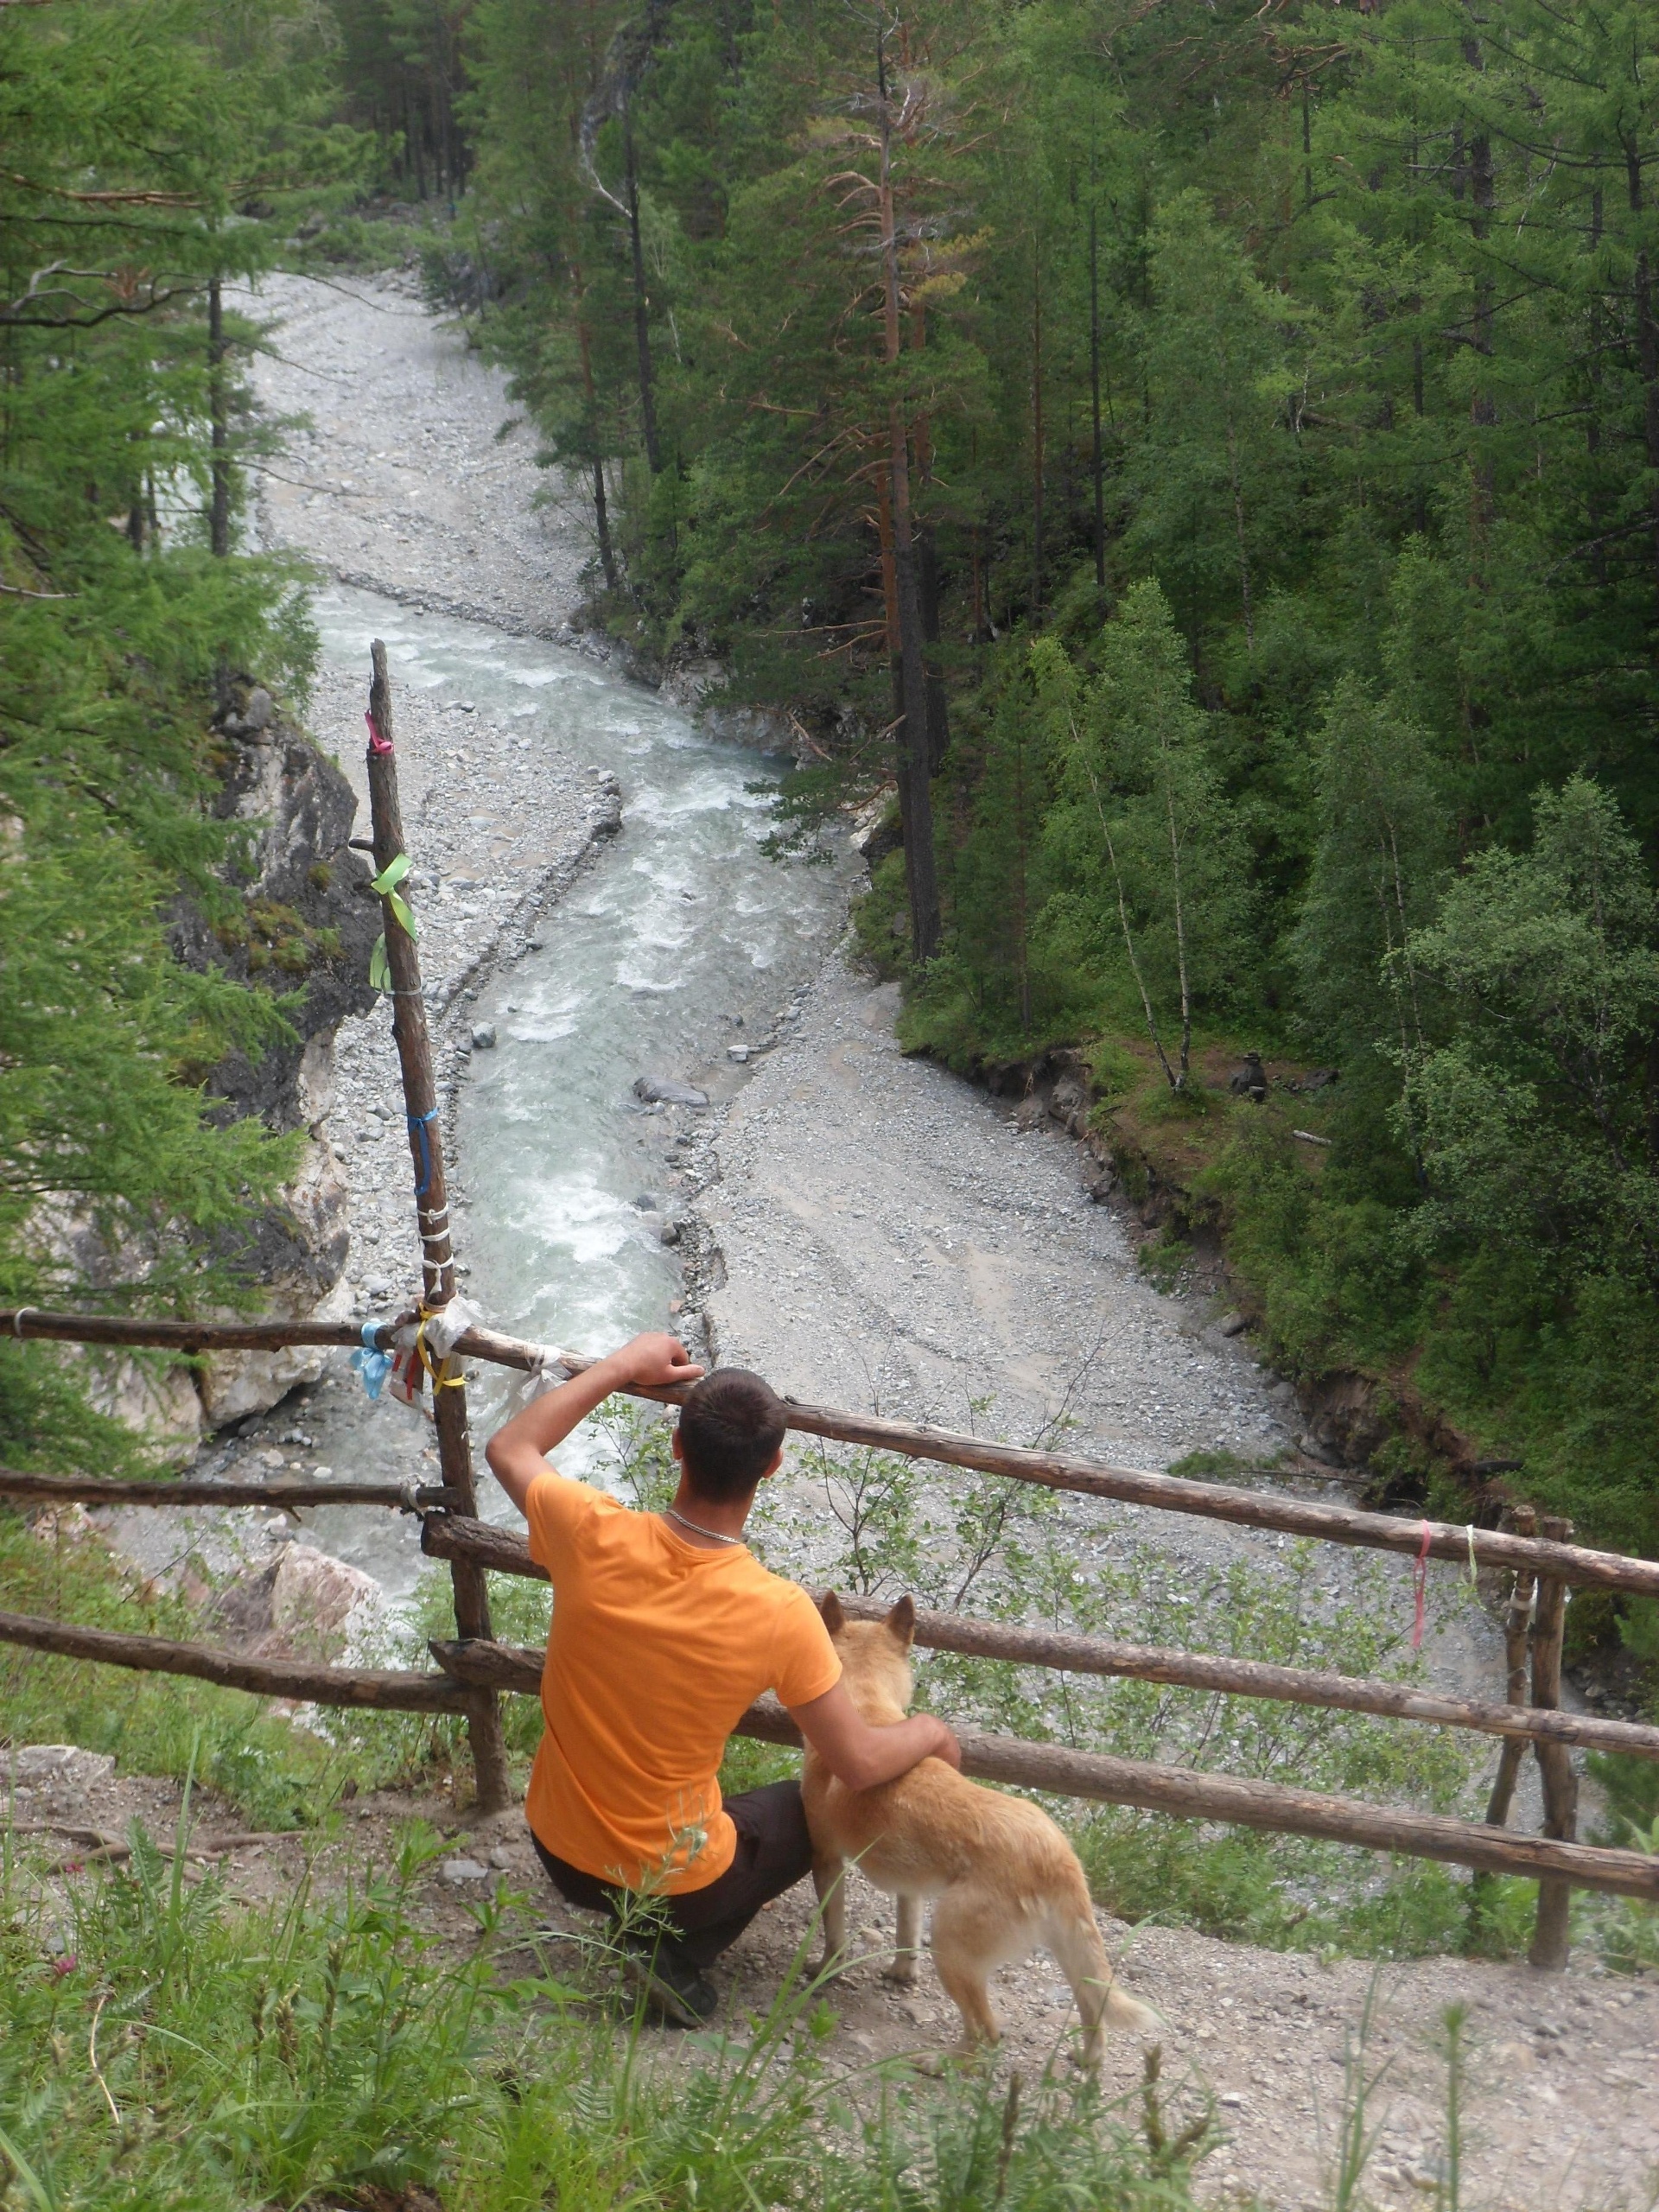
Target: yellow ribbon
x=440, y=1381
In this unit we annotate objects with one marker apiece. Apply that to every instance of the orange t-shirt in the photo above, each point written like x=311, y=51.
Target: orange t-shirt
x=657, y=1649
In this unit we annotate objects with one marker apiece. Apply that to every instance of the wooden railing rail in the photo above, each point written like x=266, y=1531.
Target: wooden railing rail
x=278, y=1490
x=386, y=1690
x=448, y=1536
x=473, y=1669
x=1179, y=1791
x=1573, y=1564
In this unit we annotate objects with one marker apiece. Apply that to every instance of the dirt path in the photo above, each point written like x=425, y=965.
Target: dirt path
x=1559, y=2111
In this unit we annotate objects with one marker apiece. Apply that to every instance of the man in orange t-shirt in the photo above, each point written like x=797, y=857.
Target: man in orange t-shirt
x=665, y=1628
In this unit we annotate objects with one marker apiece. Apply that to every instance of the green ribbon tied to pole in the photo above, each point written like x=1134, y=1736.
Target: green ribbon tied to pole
x=385, y=885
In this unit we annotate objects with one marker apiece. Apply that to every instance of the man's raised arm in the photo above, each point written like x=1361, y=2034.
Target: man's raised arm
x=518, y=1452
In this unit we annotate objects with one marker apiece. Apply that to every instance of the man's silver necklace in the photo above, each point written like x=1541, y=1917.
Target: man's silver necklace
x=669, y=1513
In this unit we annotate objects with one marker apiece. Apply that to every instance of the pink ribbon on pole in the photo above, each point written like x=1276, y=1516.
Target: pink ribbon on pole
x=377, y=743
x=1419, y=1587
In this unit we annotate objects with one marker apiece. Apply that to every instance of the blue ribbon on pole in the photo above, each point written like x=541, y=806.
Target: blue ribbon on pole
x=417, y=1128
x=371, y=1362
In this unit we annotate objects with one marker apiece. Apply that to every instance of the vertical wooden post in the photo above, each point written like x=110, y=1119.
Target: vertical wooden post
x=432, y=1215
x=1549, y=1935
x=1517, y=1637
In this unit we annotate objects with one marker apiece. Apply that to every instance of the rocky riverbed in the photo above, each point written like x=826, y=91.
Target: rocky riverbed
x=872, y=1230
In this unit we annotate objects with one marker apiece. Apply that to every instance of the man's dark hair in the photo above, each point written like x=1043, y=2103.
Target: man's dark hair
x=730, y=1427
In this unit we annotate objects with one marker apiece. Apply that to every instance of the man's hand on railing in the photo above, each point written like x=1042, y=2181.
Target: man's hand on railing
x=518, y=1453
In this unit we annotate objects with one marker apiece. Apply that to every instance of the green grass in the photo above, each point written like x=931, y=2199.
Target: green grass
x=165, y=2046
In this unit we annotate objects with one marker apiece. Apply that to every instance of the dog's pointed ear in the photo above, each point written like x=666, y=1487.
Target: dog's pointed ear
x=829, y=1607
x=900, y=1622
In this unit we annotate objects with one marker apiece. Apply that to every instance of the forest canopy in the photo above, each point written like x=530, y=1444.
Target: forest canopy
x=1204, y=461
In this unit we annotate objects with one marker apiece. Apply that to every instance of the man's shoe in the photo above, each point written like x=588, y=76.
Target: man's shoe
x=673, y=1990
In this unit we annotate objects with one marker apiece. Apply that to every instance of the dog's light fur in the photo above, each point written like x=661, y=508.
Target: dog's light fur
x=1002, y=1877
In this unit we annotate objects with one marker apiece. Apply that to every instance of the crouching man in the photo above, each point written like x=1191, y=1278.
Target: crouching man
x=665, y=1628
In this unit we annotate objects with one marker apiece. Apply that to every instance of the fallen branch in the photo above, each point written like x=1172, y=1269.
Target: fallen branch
x=105, y=1849
x=1181, y=1793
x=502, y=1551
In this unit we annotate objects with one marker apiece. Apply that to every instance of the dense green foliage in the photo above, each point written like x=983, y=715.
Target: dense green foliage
x=1273, y=396
x=149, y=149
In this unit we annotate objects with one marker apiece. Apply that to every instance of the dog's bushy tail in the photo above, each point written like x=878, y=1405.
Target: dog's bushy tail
x=1075, y=1940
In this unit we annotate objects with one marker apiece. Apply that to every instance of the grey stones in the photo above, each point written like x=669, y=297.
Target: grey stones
x=32, y=1766
x=663, y=1090
x=484, y=1036
x=464, y=1869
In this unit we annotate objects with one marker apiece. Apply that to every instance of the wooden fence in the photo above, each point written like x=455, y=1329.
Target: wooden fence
x=474, y=1670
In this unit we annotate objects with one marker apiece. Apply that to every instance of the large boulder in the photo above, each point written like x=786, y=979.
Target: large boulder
x=303, y=1605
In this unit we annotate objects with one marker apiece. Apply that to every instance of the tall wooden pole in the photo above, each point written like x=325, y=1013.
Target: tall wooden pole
x=432, y=1216
x=1549, y=1935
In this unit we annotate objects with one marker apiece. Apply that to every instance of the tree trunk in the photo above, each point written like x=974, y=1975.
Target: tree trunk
x=890, y=594
x=927, y=579
x=915, y=789
x=1647, y=347
x=641, y=325
x=1239, y=533
x=601, y=508
x=1594, y=507
x=1180, y=929
x=938, y=705
x=1036, y=433
x=1094, y=397
x=219, y=412
x=1482, y=407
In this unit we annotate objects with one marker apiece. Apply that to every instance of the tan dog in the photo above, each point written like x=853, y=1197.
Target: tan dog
x=1003, y=1877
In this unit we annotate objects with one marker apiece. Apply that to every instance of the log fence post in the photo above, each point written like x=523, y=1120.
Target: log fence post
x=1517, y=1640
x=1560, y=1781
x=1517, y=1635
x=492, y=1781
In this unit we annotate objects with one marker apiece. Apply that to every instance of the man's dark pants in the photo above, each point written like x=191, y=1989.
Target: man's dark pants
x=773, y=1851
